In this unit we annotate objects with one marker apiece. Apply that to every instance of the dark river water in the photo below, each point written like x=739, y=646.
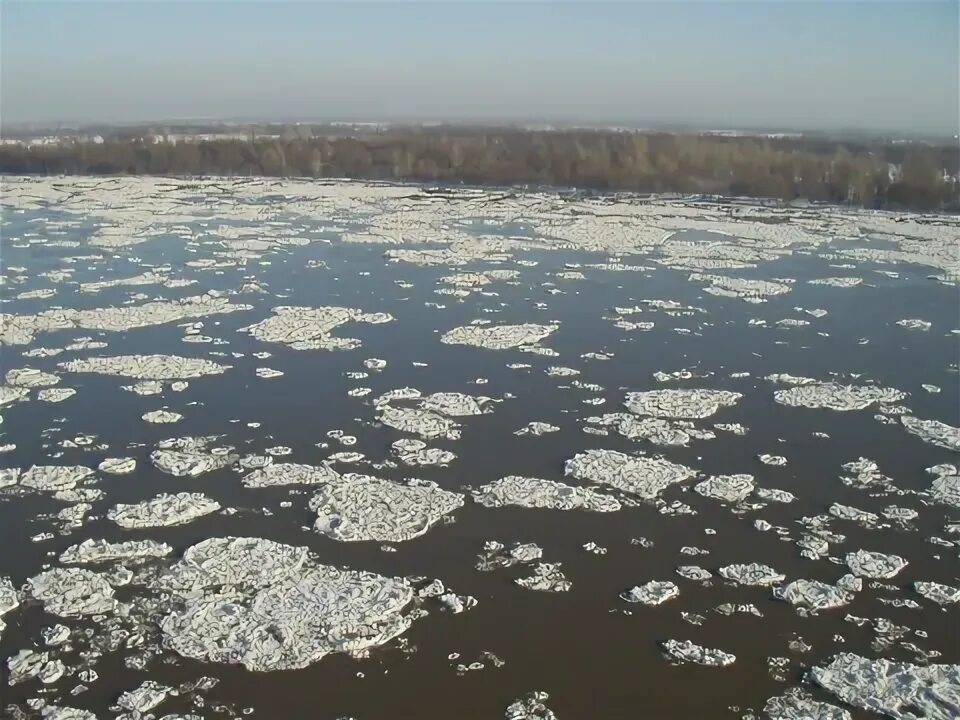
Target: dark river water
x=596, y=655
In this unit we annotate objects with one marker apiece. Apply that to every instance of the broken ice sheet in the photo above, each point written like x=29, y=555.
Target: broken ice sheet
x=727, y=488
x=98, y=551
x=537, y=493
x=498, y=337
x=692, y=404
x=864, y=563
x=163, y=510
x=531, y=706
x=654, y=592
x=643, y=476
x=546, y=577
x=752, y=574
x=416, y=453
x=361, y=507
x=305, y=328
x=832, y=396
x=815, y=595
x=190, y=456
x=933, y=431
x=684, y=651
x=896, y=689
x=146, y=367
x=276, y=474
x=71, y=592
x=269, y=606
x=537, y=428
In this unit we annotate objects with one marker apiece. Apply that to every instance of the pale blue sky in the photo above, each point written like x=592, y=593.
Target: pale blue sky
x=889, y=65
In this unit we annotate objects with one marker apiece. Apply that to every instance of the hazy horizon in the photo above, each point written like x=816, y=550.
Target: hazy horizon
x=815, y=66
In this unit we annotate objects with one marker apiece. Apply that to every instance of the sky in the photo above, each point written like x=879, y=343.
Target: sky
x=807, y=65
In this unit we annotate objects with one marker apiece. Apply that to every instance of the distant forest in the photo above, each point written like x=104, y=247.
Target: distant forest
x=878, y=173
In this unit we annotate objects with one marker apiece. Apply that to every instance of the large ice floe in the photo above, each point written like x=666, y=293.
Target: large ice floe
x=933, y=431
x=683, y=404
x=190, y=456
x=498, y=337
x=817, y=595
x=638, y=475
x=832, y=396
x=306, y=328
x=727, y=488
x=100, y=551
x=146, y=367
x=269, y=606
x=71, y=592
x=276, y=474
x=875, y=565
x=359, y=507
x=163, y=510
x=895, y=689
x=537, y=493
x=21, y=329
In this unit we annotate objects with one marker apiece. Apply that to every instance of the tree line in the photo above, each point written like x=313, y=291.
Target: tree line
x=870, y=174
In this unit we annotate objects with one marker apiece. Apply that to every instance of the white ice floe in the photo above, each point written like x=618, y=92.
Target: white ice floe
x=816, y=595
x=797, y=705
x=876, y=565
x=276, y=474
x=694, y=572
x=914, y=324
x=727, y=488
x=305, y=328
x=97, y=551
x=269, y=606
x=53, y=478
x=161, y=417
x=146, y=367
x=654, y=592
x=547, y=577
x=685, y=651
x=537, y=429
x=498, y=337
x=190, y=456
x=495, y=555
x=118, y=466
x=937, y=592
x=848, y=512
x=536, y=493
x=840, y=282
x=690, y=404
x=361, y=507
x=775, y=495
x=638, y=475
x=164, y=510
x=454, y=404
x=425, y=423
x=30, y=378
x=832, y=396
x=416, y=453
x=531, y=706
x=145, y=697
x=71, y=592
x=775, y=460
x=933, y=431
x=752, y=574
x=896, y=689
x=20, y=329
x=55, y=395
